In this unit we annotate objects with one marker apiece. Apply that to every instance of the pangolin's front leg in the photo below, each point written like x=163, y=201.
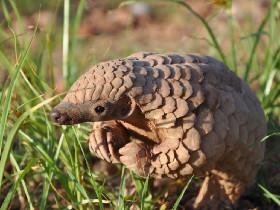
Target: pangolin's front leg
x=110, y=142
x=158, y=160
x=136, y=156
x=166, y=159
x=106, y=139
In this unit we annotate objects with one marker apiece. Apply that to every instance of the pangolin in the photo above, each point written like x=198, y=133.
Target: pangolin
x=172, y=115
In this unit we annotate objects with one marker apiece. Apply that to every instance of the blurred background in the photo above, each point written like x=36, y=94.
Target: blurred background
x=46, y=45
x=104, y=29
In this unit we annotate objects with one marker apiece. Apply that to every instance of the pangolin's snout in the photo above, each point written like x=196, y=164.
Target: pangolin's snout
x=60, y=118
x=66, y=113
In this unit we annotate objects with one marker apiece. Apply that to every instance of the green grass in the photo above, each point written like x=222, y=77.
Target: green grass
x=43, y=166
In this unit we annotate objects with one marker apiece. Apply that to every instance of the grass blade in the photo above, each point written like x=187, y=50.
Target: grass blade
x=13, y=132
x=270, y=195
x=46, y=182
x=13, y=189
x=257, y=38
x=232, y=41
x=14, y=162
x=66, y=42
x=73, y=41
x=206, y=25
x=122, y=189
x=95, y=187
x=11, y=88
x=144, y=192
x=182, y=194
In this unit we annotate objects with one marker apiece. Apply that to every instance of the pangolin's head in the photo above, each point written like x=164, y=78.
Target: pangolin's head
x=98, y=95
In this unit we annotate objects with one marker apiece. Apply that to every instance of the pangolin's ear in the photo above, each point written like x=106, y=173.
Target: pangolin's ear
x=124, y=107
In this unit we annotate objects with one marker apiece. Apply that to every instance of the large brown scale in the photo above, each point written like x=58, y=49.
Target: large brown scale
x=172, y=115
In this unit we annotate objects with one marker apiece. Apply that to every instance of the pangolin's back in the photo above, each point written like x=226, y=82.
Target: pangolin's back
x=199, y=110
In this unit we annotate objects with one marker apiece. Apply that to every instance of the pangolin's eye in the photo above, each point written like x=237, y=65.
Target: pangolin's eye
x=99, y=109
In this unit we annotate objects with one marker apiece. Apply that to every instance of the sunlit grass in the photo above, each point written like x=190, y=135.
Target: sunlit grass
x=46, y=166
